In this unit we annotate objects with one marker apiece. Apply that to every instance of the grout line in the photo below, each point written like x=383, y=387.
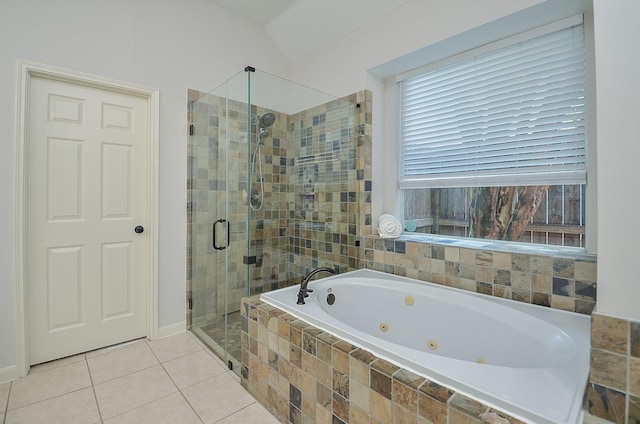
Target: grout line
x=179, y=390
x=153, y=352
x=143, y=405
x=191, y=406
x=93, y=388
x=6, y=405
x=207, y=379
x=169, y=375
x=50, y=397
x=235, y=412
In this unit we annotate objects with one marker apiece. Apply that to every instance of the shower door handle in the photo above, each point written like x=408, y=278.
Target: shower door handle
x=221, y=221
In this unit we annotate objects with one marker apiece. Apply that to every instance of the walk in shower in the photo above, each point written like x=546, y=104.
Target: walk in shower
x=272, y=180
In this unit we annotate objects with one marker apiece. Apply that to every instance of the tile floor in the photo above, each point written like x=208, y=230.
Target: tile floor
x=172, y=380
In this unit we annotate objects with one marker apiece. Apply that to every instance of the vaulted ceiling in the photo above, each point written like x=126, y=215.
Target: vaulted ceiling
x=300, y=27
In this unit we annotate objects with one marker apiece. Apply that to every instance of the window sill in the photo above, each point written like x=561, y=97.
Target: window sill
x=499, y=246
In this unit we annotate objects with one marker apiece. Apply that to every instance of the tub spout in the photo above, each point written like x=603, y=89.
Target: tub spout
x=305, y=282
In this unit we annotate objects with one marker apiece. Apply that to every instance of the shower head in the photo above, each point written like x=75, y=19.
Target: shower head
x=266, y=120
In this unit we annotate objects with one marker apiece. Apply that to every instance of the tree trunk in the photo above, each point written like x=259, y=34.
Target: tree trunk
x=504, y=213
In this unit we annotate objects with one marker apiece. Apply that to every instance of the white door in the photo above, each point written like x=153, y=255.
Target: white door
x=87, y=182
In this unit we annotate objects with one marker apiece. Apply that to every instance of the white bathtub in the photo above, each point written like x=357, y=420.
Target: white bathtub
x=529, y=361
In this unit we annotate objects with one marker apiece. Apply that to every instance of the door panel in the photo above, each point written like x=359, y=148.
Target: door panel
x=117, y=281
x=64, y=287
x=87, y=185
x=64, y=179
x=116, y=181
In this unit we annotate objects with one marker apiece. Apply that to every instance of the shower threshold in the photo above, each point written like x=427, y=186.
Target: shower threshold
x=213, y=335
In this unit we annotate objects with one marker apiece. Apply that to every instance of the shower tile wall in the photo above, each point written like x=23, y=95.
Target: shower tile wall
x=216, y=184
x=327, y=197
x=317, y=181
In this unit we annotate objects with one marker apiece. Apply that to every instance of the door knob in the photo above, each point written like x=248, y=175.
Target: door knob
x=139, y=229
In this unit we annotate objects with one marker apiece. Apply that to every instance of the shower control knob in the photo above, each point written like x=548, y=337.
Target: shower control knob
x=139, y=229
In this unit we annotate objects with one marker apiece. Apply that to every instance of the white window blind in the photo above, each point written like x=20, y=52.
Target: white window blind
x=512, y=116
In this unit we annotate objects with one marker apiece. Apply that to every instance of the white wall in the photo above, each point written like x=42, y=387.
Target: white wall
x=167, y=44
x=618, y=128
x=341, y=68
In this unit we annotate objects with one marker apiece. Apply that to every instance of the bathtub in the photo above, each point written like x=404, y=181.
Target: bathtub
x=529, y=361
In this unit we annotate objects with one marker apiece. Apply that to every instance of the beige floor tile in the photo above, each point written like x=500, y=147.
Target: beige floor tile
x=169, y=410
x=113, y=348
x=131, y=386
x=192, y=369
x=215, y=357
x=57, y=363
x=174, y=347
x=217, y=397
x=77, y=407
x=200, y=342
x=4, y=396
x=235, y=376
x=254, y=414
x=121, y=362
x=133, y=390
x=48, y=384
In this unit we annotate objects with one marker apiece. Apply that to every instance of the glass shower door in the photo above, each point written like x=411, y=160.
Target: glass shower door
x=272, y=195
x=217, y=216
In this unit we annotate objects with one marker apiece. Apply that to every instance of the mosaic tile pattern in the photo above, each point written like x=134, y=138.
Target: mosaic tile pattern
x=564, y=281
x=302, y=375
x=613, y=392
x=317, y=195
x=325, y=196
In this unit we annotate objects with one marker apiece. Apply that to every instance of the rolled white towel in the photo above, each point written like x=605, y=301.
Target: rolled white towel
x=389, y=226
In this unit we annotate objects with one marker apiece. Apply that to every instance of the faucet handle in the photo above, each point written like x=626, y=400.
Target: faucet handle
x=305, y=292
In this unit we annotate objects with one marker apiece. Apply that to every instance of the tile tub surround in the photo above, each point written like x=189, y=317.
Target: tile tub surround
x=613, y=392
x=561, y=279
x=301, y=374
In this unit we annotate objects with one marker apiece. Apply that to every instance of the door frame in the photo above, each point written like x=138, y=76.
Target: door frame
x=26, y=71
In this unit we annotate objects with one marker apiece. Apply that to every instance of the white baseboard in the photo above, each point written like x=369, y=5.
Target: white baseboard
x=9, y=373
x=172, y=330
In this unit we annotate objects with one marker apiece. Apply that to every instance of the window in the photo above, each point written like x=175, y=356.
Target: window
x=493, y=142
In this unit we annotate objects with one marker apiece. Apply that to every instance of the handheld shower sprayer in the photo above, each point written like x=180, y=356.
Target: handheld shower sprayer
x=262, y=122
